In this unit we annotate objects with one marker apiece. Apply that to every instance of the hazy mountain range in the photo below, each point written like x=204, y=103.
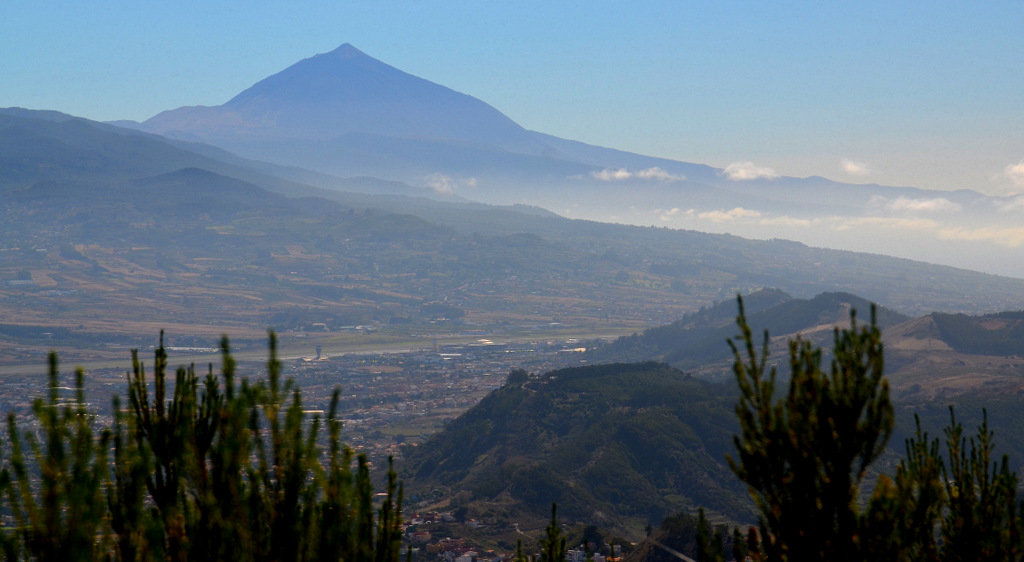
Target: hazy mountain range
x=110, y=233
x=348, y=114
x=363, y=214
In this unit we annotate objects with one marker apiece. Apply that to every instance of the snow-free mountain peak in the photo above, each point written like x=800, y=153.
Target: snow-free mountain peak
x=348, y=114
x=344, y=73
x=339, y=93
x=347, y=50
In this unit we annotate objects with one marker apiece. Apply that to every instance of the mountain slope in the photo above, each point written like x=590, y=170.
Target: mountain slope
x=992, y=334
x=609, y=444
x=348, y=114
x=112, y=232
x=939, y=356
x=344, y=91
x=49, y=145
x=698, y=339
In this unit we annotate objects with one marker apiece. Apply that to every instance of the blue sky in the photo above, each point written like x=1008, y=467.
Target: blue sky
x=924, y=94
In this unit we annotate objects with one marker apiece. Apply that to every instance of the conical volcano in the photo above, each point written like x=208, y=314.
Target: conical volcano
x=341, y=92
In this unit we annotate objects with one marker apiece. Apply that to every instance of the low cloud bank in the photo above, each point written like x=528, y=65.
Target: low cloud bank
x=446, y=185
x=744, y=171
x=653, y=173
x=854, y=168
x=915, y=205
x=730, y=215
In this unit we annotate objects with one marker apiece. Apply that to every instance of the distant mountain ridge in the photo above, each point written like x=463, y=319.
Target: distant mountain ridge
x=1000, y=334
x=347, y=114
x=698, y=339
x=938, y=355
x=177, y=225
x=50, y=145
x=336, y=104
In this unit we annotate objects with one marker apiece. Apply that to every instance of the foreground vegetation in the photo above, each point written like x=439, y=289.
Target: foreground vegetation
x=804, y=457
x=206, y=468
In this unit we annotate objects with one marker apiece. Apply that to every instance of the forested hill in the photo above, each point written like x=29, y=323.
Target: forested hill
x=699, y=338
x=990, y=334
x=609, y=443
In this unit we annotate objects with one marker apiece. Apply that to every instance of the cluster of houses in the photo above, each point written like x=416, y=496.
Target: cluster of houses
x=449, y=549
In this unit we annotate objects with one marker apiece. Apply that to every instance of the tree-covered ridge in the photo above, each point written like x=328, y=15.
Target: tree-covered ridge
x=990, y=334
x=206, y=468
x=694, y=329
x=697, y=338
x=620, y=441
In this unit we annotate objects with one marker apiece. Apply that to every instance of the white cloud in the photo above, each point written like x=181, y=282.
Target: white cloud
x=445, y=185
x=665, y=216
x=654, y=173
x=894, y=223
x=908, y=204
x=1005, y=236
x=854, y=168
x=441, y=184
x=786, y=221
x=609, y=174
x=1012, y=204
x=657, y=173
x=742, y=171
x=1015, y=173
x=1011, y=237
x=730, y=215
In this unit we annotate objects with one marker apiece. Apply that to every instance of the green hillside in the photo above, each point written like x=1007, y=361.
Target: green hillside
x=990, y=334
x=611, y=444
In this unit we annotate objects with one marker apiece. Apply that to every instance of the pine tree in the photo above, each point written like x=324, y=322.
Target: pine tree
x=552, y=546
x=981, y=522
x=903, y=512
x=61, y=520
x=213, y=470
x=520, y=556
x=739, y=545
x=709, y=543
x=804, y=455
